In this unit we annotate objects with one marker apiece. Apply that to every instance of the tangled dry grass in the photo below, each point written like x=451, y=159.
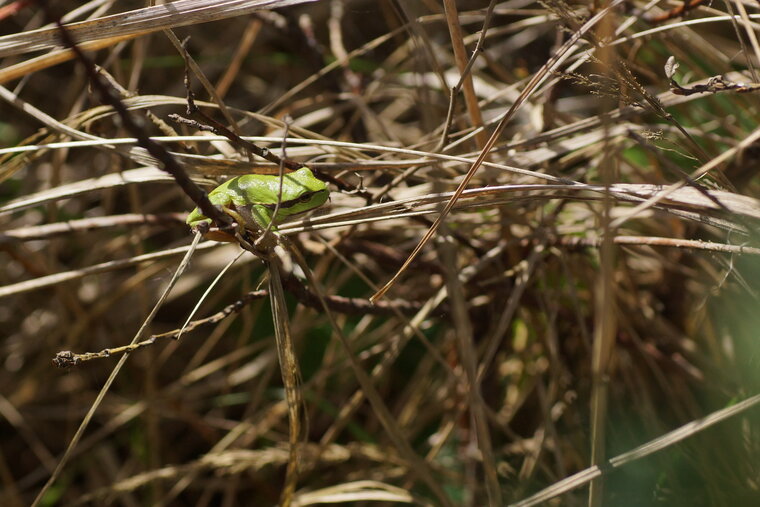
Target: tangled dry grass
x=582, y=324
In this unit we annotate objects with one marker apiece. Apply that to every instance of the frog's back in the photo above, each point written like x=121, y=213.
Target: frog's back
x=255, y=189
x=265, y=188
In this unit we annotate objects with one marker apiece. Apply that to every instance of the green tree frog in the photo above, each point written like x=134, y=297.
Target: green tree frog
x=251, y=199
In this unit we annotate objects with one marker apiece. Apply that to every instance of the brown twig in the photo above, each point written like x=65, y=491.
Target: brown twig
x=339, y=304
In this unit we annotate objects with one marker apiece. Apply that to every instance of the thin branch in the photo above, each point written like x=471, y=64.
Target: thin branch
x=338, y=304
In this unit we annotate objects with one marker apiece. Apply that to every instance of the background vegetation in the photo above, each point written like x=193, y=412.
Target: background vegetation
x=567, y=312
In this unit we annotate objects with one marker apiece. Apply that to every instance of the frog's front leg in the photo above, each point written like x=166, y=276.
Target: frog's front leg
x=262, y=215
x=268, y=236
x=251, y=219
x=240, y=220
x=203, y=226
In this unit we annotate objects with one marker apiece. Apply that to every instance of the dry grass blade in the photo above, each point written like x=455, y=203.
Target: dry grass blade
x=749, y=206
x=359, y=491
x=585, y=476
x=229, y=462
x=455, y=29
x=139, y=21
x=58, y=278
x=290, y=377
x=466, y=347
x=134, y=176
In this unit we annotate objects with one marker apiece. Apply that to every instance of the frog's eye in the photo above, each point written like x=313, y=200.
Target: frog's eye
x=305, y=197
